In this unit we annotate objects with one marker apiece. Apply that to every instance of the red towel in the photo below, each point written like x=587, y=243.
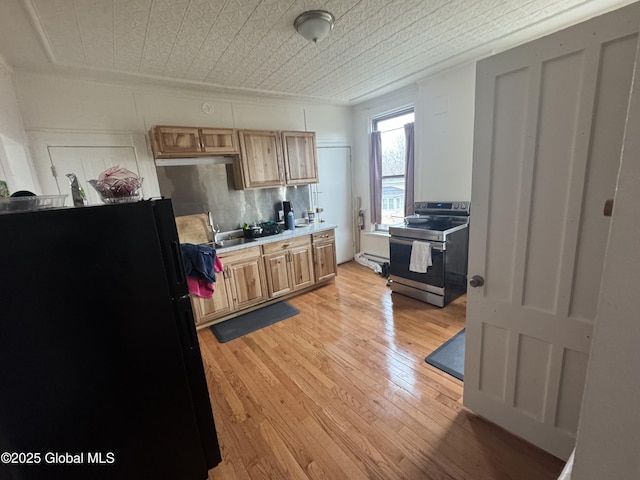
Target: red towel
x=217, y=265
x=200, y=287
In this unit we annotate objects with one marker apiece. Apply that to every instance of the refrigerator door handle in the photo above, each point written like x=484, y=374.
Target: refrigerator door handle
x=178, y=269
x=187, y=323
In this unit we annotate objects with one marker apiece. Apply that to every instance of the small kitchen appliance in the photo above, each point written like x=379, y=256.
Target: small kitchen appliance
x=445, y=226
x=286, y=208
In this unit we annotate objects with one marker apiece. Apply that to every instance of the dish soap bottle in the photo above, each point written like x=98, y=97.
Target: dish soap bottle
x=291, y=221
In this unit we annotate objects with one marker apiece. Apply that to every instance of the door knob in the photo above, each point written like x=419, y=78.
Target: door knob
x=476, y=281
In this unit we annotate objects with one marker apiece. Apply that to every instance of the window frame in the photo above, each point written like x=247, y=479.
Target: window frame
x=383, y=227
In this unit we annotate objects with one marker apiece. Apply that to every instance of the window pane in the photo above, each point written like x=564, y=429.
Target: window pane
x=392, y=200
x=393, y=152
x=393, y=166
x=394, y=122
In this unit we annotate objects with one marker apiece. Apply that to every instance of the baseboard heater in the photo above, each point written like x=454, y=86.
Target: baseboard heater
x=375, y=258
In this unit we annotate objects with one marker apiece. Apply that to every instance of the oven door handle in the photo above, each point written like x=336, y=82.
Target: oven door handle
x=434, y=245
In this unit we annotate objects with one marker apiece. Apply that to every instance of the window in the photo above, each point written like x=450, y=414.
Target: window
x=392, y=134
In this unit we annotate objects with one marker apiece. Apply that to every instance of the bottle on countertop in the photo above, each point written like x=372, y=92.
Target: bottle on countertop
x=291, y=221
x=77, y=193
x=311, y=215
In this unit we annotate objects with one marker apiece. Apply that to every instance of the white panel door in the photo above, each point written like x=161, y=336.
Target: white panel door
x=87, y=163
x=333, y=194
x=549, y=125
x=609, y=432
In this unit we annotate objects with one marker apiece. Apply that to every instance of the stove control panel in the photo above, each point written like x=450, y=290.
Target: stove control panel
x=442, y=208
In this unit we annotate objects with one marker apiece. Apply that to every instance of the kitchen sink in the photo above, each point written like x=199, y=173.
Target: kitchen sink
x=232, y=242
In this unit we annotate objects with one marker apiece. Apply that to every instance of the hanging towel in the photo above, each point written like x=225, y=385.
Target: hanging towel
x=217, y=265
x=198, y=261
x=200, y=288
x=420, y=257
x=203, y=288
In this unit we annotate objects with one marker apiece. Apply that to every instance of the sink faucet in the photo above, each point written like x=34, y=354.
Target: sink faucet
x=215, y=229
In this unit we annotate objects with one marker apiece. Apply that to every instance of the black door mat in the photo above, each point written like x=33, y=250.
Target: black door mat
x=252, y=321
x=449, y=357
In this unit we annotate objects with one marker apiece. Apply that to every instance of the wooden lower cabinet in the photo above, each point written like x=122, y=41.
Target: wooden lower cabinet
x=301, y=261
x=288, y=265
x=208, y=309
x=277, y=273
x=246, y=278
x=257, y=274
x=241, y=285
x=324, y=255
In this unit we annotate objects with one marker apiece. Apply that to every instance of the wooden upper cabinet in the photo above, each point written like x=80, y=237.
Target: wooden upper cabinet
x=264, y=158
x=175, y=140
x=260, y=159
x=219, y=140
x=180, y=142
x=300, y=160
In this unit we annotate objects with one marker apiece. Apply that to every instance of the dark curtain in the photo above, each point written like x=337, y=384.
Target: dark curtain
x=409, y=170
x=375, y=178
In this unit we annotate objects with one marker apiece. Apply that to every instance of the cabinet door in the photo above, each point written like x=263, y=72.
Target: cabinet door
x=219, y=140
x=177, y=140
x=301, y=267
x=221, y=303
x=300, y=160
x=325, y=260
x=247, y=282
x=277, y=273
x=261, y=158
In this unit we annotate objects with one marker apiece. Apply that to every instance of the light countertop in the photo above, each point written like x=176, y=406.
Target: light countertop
x=300, y=231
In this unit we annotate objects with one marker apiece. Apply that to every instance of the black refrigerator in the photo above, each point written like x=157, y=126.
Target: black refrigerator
x=101, y=374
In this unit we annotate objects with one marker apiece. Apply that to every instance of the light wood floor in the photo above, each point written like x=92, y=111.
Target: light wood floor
x=341, y=391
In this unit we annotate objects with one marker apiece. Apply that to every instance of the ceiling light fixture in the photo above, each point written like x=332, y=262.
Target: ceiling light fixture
x=314, y=25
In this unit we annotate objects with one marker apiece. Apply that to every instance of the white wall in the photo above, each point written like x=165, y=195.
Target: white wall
x=444, y=108
x=444, y=135
x=15, y=164
x=55, y=104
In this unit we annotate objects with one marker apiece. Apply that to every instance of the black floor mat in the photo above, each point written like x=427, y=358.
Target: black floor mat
x=449, y=357
x=252, y=321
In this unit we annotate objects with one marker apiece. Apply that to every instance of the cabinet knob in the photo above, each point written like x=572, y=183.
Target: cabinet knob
x=476, y=281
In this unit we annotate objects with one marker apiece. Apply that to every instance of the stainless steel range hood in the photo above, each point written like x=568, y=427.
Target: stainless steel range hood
x=183, y=162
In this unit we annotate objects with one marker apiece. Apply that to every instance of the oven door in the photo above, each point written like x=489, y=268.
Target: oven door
x=400, y=257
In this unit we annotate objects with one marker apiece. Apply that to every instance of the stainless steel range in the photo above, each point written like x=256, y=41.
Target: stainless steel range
x=444, y=226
